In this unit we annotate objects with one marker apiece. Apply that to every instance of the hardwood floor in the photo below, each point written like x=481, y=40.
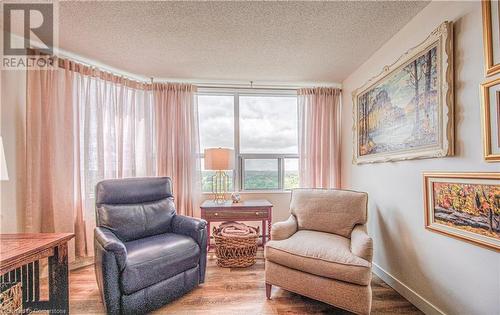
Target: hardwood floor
x=235, y=291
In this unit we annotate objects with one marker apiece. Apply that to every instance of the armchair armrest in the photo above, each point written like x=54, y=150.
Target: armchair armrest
x=361, y=243
x=192, y=227
x=110, y=242
x=285, y=229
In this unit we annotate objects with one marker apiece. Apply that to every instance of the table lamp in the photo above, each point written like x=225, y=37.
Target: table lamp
x=4, y=175
x=219, y=160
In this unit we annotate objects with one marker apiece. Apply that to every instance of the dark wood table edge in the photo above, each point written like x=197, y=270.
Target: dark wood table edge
x=58, y=274
x=34, y=254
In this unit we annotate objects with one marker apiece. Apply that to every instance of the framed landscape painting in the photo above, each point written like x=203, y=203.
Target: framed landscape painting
x=465, y=206
x=491, y=36
x=406, y=112
x=490, y=92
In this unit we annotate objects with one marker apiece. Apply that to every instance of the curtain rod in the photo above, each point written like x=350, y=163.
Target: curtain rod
x=204, y=84
x=251, y=85
x=61, y=53
x=246, y=87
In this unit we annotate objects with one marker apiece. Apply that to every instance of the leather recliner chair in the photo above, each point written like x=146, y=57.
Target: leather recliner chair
x=145, y=254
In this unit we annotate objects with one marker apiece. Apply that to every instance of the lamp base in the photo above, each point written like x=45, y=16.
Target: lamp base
x=220, y=184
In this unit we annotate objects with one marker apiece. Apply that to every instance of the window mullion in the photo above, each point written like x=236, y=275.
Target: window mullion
x=281, y=173
x=238, y=176
x=242, y=172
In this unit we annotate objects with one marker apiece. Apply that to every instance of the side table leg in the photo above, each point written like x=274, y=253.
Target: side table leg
x=269, y=228
x=58, y=281
x=208, y=236
x=263, y=233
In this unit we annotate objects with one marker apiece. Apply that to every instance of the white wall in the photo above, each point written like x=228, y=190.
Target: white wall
x=454, y=276
x=12, y=129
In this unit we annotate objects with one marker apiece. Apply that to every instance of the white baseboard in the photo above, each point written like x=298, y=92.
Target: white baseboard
x=416, y=299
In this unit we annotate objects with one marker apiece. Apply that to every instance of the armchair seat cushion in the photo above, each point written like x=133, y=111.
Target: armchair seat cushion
x=156, y=258
x=323, y=254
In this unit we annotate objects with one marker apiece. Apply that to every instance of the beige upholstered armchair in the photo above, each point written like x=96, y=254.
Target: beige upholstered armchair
x=323, y=251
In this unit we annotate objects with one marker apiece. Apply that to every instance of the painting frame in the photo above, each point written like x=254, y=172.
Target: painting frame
x=486, y=119
x=475, y=178
x=490, y=67
x=442, y=39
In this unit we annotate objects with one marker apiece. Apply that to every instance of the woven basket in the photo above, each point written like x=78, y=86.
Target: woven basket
x=11, y=300
x=235, y=252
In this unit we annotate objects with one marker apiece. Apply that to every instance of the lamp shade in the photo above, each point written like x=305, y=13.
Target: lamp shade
x=219, y=159
x=4, y=175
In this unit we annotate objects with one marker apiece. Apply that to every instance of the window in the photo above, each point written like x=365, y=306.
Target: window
x=216, y=128
x=268, y=125
x=261, y=127
x=261, y=174
x=291, y=173
x=216, y=113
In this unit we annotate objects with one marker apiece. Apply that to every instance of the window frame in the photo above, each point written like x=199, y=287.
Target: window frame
x=239, y=171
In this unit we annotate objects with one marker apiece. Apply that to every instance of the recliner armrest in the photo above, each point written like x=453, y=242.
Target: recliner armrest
x=110, y=242
x=192, y=227
x=285, y=229
x=361, y=243
x=197, y=230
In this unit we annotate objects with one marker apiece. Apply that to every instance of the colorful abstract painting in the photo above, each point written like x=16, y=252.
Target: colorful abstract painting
x=464, y=205
x=401, y=112
x=470, y=207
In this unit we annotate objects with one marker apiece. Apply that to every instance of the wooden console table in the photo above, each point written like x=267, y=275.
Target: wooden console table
x=248, y=210
x=19, y=262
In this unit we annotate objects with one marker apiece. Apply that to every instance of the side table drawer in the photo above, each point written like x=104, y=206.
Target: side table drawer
x=213, y=214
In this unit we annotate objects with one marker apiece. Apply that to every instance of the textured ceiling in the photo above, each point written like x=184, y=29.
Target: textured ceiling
x=260, y=41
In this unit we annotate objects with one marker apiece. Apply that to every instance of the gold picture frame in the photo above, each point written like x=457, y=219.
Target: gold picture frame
x=438, y=140
x=486, y=120
x=490, y=66
x=465, y=190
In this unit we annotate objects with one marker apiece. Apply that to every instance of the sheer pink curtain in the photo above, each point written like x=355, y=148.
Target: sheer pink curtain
x=116, y=129
x=54, y=201
x=319, y=137
x=83, y=126
x=177, y=142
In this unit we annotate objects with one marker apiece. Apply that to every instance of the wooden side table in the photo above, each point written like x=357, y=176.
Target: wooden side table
x=248, y=210
x=19, y=263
